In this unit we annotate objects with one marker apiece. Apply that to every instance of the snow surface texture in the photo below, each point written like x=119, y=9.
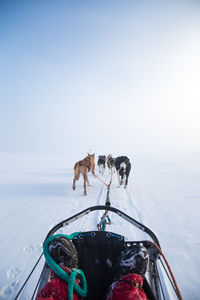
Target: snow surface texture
x=36, y=193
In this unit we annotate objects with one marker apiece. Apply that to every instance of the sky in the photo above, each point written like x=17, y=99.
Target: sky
x=104, y=76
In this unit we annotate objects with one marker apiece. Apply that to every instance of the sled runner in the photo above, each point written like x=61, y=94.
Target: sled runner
x=98, y=252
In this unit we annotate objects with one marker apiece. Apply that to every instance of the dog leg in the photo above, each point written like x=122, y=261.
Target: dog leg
x=76, y=177
x=84, y=185
x=122, y=179
x=102, y=170
x=127, y=175
x=88, y=181
x=74, y=184
x=125, y=182
x=118, y=177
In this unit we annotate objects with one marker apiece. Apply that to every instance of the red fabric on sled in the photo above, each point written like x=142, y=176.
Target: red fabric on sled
x=56, y=288
x=129, y=287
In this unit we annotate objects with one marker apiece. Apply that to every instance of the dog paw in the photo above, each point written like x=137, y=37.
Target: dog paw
x=12, y=273
x=28, y=248
x=8, y=291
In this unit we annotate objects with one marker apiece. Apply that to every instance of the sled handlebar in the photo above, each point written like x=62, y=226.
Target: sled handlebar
x=106, y=208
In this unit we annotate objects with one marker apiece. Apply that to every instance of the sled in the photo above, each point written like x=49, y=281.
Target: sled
x=98, y=252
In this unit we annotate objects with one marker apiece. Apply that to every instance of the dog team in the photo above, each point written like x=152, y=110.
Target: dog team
x=120, y=164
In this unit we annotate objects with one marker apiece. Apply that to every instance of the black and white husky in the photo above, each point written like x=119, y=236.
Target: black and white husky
x=111, y=163
x=123, y=167
x=101, y=163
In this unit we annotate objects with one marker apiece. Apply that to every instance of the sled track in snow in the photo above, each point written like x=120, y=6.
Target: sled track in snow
x=96, y=196
x=131, y=202
x=100, y=199
x=102, y=189
x=119, y=197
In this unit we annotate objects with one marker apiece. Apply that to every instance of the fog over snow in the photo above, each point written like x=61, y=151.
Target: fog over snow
x=119, y=77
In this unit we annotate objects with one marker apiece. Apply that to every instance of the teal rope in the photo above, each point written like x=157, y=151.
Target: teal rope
x=82, y=292
x=71, y=282
x=103, y=226
x=109, y=220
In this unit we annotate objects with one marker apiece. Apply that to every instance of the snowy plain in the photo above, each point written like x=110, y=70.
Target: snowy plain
x=36, y=193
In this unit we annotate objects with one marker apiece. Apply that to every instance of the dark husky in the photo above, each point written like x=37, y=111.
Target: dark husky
x=123, y=167
x=101, y=163
x=83, y=167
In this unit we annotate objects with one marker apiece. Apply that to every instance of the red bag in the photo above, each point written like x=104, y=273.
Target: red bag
x=56, y=288
x=128, y=287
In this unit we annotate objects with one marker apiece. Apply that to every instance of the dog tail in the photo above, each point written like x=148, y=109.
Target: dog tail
x=75, y=167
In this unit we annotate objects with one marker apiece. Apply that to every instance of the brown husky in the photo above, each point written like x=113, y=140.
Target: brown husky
x=84, y=166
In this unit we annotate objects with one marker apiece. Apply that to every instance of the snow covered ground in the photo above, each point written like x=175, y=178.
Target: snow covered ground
x=36, y=193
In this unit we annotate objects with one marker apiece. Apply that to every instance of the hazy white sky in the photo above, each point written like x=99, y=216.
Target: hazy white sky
x=111, y=76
